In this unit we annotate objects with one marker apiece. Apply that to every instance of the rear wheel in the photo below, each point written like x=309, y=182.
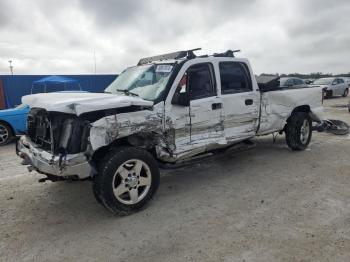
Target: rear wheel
x=346, y=92
x=6, y=134
x=128, y=178
x=298, y=131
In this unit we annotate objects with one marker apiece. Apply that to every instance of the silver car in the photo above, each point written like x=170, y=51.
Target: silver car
x=333, y=86
x=294, y=82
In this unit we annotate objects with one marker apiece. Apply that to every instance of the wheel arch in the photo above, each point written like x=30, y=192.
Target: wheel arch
x=9, y=124
x=302, y=108
x=145, y=141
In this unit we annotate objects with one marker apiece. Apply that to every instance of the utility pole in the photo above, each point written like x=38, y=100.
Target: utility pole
x=11, y=67
x=95, y=68
x=95, y=61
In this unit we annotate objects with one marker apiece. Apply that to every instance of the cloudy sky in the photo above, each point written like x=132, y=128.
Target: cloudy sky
x=59, y=37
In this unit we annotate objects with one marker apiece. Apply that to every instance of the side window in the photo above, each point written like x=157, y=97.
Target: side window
x=340, y=81
x=234, y=77
x=290, y=82
x=298, y=81
x=200, y=81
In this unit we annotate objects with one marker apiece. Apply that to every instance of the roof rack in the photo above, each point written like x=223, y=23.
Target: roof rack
x=175, y=55
x=228, y=53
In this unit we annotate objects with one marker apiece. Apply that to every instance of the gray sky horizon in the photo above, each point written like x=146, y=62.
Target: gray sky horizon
x=59, y=37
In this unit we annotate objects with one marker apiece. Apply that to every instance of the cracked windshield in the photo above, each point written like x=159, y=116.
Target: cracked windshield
x=147, y=81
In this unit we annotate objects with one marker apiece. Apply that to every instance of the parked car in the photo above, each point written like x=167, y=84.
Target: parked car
x=12, y=122
x=288, y=82
x=165, y=110
x=347, y=80
x=309, y=81
x=333, y=86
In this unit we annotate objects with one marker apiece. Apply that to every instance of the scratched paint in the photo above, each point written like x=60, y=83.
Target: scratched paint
x=277, y=106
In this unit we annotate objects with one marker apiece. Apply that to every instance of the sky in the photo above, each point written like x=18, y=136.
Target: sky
x=277, y=36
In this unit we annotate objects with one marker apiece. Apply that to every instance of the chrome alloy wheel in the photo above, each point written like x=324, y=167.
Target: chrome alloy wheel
x=305, y=131
x=132, y=181
x=4, y=134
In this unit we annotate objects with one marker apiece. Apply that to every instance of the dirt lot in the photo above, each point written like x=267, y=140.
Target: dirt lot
x=265, y=204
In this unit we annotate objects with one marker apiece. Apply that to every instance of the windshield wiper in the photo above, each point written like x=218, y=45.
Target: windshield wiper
x=127, y=92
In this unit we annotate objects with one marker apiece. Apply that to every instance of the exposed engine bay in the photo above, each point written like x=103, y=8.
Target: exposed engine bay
x=58, y=132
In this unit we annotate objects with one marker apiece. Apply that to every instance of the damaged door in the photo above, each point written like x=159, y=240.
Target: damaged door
x=206, y=107
x=241, y=102
x=196, y=111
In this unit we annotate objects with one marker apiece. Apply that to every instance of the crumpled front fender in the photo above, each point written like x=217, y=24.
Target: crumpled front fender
x=107, y=129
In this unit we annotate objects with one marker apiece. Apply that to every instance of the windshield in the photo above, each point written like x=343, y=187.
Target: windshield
x=147, y=81
x=323, y=81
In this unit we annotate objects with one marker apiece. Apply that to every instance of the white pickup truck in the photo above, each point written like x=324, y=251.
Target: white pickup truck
x=167, y=109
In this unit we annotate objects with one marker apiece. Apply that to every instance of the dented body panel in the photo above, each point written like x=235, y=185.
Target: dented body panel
x=171, y=131
x=106, y=130
x=277, y=106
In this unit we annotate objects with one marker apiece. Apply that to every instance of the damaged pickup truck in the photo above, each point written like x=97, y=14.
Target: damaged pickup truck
x=165, y=110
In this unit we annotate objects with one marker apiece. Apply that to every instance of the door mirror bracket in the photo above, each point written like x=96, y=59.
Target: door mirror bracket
x=180, y=98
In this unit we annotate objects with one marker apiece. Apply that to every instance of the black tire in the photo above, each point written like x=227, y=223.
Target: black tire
x=296, y=137
x=346, y=92
x=328, y=94
x=108, y=179
x=6, y=134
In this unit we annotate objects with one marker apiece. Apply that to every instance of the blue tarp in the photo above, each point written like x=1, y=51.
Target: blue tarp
x=55, y=80
x=54, y=84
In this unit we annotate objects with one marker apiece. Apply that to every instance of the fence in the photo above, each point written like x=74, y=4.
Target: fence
x=12, y=88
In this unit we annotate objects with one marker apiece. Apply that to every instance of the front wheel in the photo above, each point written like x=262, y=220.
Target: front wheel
x=6, y=134
x=346, y=92
x=298, y=131
x=128, y=178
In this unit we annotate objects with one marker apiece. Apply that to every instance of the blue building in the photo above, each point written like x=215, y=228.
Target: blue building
x=12, y=88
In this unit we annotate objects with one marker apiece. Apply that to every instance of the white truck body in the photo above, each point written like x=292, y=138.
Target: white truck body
x=184, y=131
x=168, y=110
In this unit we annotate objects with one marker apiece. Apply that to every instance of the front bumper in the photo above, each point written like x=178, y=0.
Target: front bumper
x=75, y=165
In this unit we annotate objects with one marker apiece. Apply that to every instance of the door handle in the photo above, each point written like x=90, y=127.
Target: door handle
x=216, y=106
x=248, y=102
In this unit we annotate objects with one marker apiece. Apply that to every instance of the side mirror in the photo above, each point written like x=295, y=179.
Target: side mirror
x=180, y=98
x=334, y=83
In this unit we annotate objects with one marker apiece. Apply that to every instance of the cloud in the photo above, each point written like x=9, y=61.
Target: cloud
x=56, y=37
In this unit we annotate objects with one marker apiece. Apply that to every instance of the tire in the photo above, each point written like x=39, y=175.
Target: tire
x=298, y=131
x=6, y=134
x=329, y=94
x=346, y=92
x=132, y=173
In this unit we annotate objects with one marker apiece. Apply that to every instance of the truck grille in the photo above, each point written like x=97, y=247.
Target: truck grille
x=39, y=129
x=58, y=132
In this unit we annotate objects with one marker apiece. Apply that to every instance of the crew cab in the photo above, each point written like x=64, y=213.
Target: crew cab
x=165, y=110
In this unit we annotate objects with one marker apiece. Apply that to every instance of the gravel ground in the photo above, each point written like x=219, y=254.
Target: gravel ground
x=264, y=204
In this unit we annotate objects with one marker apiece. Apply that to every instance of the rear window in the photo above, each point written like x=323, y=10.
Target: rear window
x=234, y=77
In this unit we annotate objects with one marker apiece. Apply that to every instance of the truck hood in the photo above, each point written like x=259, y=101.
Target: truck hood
x=80, y=103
